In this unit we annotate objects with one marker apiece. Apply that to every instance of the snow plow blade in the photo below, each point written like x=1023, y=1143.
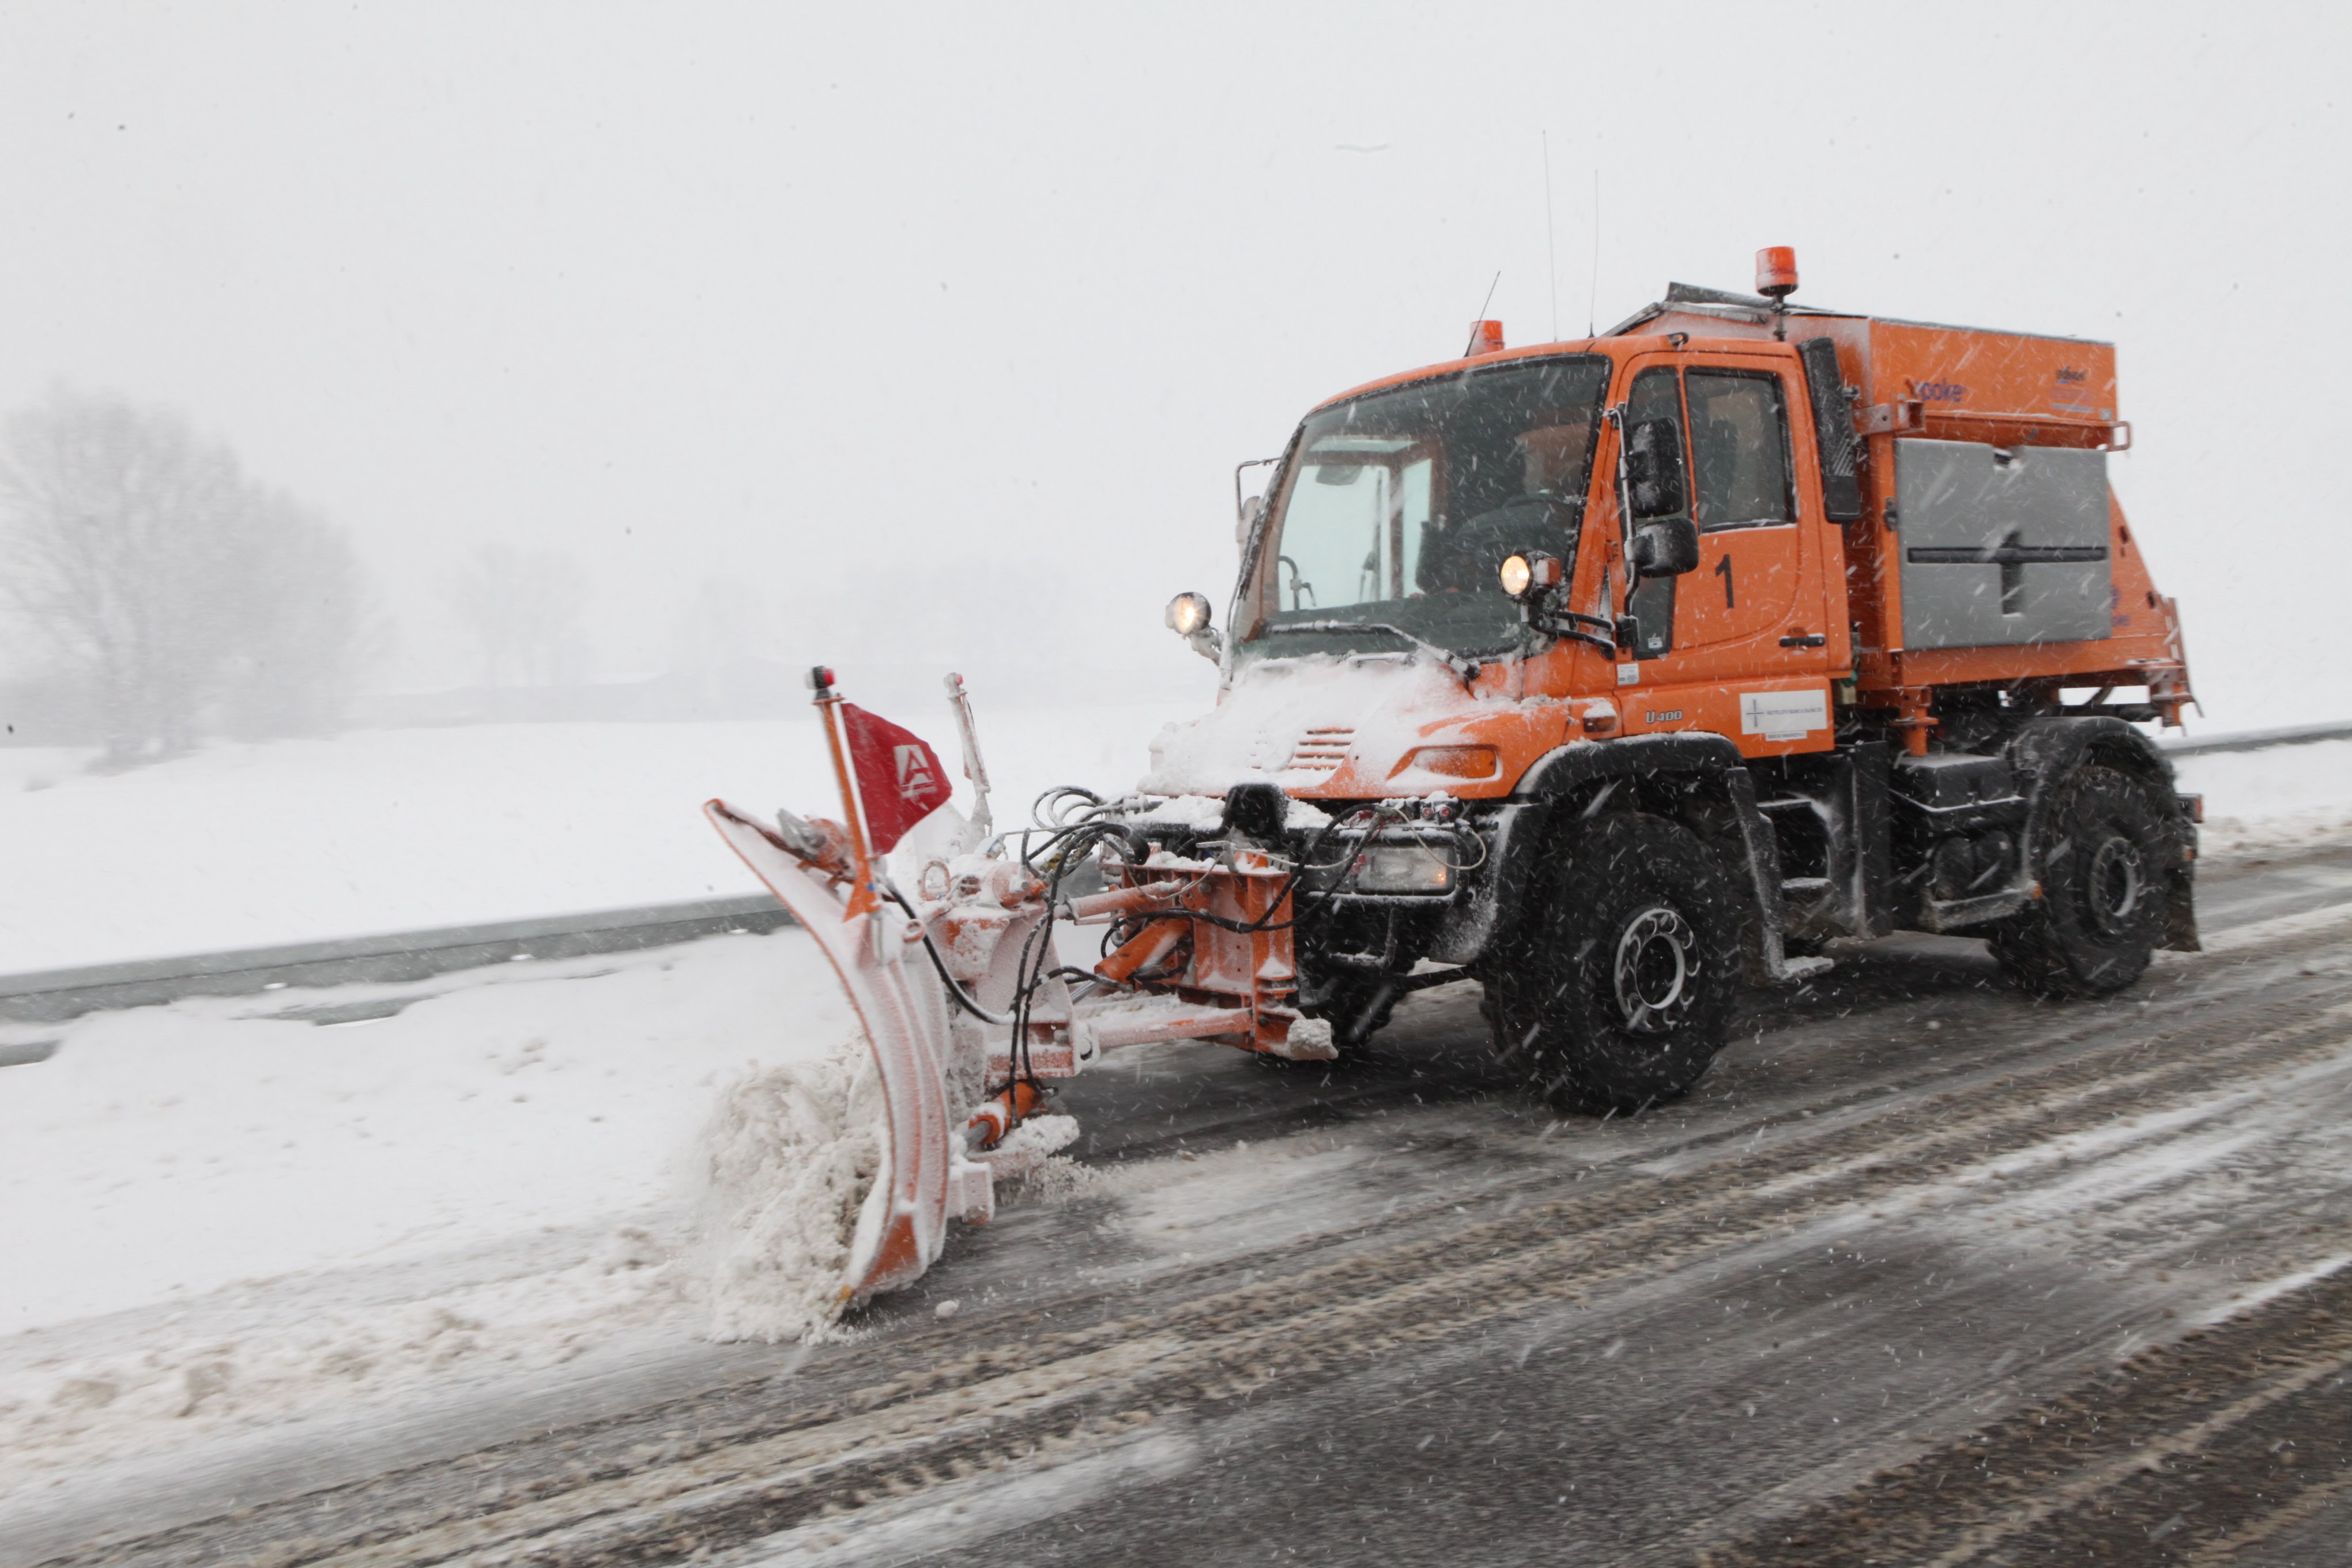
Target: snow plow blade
x=903, y=1008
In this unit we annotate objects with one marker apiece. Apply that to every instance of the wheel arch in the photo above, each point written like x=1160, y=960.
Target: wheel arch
x=2049, y=751
x=1668, y=775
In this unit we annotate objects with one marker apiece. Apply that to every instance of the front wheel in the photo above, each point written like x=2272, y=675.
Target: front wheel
x=2102, y=910
x=1619, y=991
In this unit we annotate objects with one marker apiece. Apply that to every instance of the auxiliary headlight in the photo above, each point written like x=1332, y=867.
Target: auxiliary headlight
x=1404, y=868
x=1188, y=614
x=1528, y=570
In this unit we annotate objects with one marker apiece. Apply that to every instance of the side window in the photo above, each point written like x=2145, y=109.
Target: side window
x=1654, y=396
x=1739, y=449
x=1652, y=603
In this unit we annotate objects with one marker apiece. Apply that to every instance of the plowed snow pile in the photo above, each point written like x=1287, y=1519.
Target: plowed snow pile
x=224, y=1228
x=790, y=1156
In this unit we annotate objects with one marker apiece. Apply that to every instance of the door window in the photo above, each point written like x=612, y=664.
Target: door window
x=1654, y=395
x=1740, y=448
x=1750, y=588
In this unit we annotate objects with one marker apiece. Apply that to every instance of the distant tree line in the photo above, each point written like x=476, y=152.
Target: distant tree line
x=520, y=611
x=156, y=593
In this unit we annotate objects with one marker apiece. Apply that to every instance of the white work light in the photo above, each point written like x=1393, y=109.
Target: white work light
x=1188, y=615
x=1524, y=572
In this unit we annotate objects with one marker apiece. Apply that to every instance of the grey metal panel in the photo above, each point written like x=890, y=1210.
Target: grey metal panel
x=2001, y=546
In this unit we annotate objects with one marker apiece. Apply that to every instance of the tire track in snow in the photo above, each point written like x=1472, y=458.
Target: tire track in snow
x=2191, y=1452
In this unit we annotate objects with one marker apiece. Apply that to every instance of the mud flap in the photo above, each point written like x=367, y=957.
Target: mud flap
x=878, y=958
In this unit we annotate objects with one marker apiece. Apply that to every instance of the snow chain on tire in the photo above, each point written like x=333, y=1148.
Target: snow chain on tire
x=1616, y=991
x=2102, y=864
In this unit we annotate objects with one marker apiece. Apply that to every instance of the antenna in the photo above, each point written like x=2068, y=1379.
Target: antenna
x=1473, y=344
x=1551, y=240
x=1592, y=306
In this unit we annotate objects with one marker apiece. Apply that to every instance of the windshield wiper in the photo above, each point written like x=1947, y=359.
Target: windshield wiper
x=1466, y=669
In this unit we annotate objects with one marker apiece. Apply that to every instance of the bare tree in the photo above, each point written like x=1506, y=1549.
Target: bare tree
x=162, y=587
x=310, y=626
x=521, y=612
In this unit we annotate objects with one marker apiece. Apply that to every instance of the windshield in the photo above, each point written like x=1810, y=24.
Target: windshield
x=1401, y=504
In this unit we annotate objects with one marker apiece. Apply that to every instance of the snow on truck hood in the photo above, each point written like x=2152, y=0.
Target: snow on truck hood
x=1294, y=721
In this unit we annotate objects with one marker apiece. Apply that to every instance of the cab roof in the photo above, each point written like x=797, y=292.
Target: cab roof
x=1748, y=310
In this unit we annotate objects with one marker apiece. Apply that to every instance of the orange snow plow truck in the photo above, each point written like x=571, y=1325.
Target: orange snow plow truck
x=1606, y=674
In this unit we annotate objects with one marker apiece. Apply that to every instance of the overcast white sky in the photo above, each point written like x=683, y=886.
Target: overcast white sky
x=868, y=307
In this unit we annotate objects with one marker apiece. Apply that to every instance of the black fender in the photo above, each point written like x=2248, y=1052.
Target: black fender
x=1564, y=769
x=1561, y=782
x=2045, y=753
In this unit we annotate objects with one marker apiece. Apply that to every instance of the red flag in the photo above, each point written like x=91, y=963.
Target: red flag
x=899, y=780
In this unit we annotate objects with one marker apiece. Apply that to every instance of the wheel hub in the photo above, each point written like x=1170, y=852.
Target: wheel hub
x=2116, y=884
x=1653, y=970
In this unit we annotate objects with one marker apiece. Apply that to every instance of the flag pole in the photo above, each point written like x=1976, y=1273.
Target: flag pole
x=863, y=899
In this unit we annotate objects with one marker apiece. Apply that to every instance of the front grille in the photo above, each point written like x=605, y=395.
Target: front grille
x=1323, y=749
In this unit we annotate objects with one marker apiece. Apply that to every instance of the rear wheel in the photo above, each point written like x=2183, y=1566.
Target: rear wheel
x=1618, y=991
x=2101, y=913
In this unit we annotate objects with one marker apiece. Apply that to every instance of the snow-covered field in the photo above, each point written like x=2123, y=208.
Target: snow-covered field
x=222, y=1222
x=244, y=846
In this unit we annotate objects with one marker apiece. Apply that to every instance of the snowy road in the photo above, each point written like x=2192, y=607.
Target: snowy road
x=1923, y=1273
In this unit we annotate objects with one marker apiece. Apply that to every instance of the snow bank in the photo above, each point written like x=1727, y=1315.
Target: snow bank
x=217, y=1222
x=2279, y=798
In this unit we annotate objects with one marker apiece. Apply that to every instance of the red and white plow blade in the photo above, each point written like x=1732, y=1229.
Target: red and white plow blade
x=924, y=1176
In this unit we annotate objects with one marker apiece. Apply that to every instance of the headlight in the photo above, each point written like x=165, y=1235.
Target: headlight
x=1188, y=614
x=1403, y=869
x=1528, y=570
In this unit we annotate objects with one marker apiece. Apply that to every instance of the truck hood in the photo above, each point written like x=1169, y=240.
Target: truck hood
x=1335, y=727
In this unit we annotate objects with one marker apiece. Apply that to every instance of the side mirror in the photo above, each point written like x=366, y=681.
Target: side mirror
x=1188, y=617
x=1245, y=518
x=1653, y=470
x=1666, y=548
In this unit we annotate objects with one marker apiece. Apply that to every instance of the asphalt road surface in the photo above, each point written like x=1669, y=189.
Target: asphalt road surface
x=1923, y=1273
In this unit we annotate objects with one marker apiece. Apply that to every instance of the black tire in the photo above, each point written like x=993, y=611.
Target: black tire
x=2101, y=864
x=1618, y=992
